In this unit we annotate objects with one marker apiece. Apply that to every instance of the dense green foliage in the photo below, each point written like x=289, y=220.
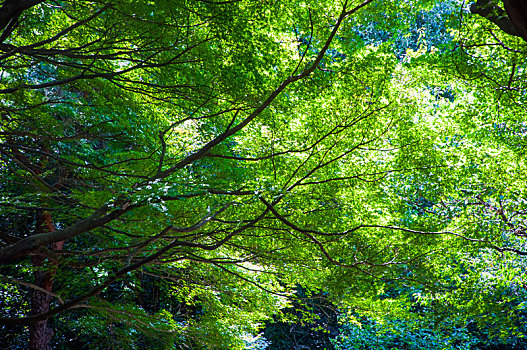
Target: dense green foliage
x=202, y=162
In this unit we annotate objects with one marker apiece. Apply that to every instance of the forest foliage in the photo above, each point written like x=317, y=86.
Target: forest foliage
x=191, y=173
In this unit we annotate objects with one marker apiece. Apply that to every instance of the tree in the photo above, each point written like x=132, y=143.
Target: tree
x=232, y=150
x=475, y=287
x=512, y=18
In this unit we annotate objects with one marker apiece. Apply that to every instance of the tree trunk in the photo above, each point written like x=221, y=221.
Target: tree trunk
x=9, y=13
x=517, y=12
x=512, y=20
x=490, y=10
x=40, y=333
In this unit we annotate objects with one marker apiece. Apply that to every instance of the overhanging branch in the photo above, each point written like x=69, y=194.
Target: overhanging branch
x=512, y=20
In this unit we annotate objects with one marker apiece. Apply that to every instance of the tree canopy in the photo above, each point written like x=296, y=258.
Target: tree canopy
x=174, y=172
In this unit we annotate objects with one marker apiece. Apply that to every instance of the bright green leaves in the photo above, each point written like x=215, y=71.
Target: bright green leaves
x=340, y=181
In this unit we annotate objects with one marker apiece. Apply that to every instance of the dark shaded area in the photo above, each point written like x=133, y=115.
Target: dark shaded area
x=517, y=11
x=316, y=323
x=10, y=12
x=512, y=19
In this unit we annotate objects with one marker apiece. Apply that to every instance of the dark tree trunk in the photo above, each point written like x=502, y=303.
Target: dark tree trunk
x=491, y=10
x=9, y=13
x=512, y=20
x=40, y=333
x=517, y=12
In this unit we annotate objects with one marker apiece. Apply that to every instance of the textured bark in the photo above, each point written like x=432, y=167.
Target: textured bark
x=40, y=333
